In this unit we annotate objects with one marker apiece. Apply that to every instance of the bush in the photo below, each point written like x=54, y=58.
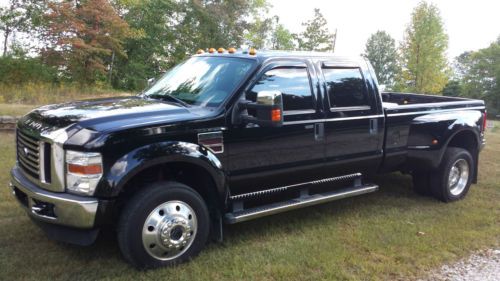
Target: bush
x=25, y=70
x=45, y=93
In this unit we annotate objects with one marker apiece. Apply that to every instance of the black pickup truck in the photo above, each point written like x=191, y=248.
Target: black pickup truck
x=229, y=136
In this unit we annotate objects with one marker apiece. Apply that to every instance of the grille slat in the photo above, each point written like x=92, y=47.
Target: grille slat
x=31, y=162
x=28, y=139
x=28, y=154
x=28, y=166
x=33, y=147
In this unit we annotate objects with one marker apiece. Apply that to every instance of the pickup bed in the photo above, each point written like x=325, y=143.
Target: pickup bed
x=229, y=136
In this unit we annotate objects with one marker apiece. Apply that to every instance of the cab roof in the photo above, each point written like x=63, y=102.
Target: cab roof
x=263, y=55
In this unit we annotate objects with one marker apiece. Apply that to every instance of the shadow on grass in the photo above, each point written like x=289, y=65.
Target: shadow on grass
x=395, y=192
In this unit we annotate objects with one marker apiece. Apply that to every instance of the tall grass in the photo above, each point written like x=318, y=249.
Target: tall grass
x=45, y=93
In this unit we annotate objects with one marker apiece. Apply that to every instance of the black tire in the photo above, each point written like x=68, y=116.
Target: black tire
x=439, y=179
x=421, y=182
x=140, y=207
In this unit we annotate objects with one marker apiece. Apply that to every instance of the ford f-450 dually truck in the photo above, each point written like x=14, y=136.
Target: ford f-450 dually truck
x=230, y=136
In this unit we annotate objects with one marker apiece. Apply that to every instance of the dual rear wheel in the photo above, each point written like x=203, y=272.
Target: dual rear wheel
x=451, y=181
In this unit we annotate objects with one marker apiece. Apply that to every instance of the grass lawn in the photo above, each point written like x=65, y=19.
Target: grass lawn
x=15, y=109
x=391, y=234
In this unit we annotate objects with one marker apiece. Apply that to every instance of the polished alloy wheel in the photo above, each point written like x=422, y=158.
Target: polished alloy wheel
x=169, y=230
x=458, y=177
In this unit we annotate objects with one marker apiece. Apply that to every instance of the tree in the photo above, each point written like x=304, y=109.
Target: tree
x=259, y=32
x=316, y=36
x=19, y=16
x=281, y=38
x=83, y=38
x=423, y=51
x=181, y=28
x=453, y=89
x=380, y=50
x=480, y=75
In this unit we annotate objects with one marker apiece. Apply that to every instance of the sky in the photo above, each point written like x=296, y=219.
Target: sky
x=470, y=25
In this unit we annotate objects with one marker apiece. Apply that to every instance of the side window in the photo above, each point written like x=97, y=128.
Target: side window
x=346, y=87
x=293, y=83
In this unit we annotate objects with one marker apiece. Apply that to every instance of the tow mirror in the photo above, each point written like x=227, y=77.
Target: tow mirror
x=268, y=109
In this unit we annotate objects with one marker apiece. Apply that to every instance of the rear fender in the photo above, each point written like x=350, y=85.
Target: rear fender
x=442, y=127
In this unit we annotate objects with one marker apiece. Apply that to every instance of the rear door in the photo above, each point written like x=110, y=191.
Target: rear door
x=266, y=157
x=354, y=121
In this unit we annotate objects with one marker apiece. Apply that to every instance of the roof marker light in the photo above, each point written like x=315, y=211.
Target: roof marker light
x=252, y=52
x=211, y=50
x=200, y=51
x=231, y=50
x=221, y=50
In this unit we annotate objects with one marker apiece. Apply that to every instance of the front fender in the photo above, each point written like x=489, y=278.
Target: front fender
x=132, y=163
x=442, y=127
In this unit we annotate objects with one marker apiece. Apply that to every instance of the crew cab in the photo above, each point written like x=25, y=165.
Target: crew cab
x=229, y=136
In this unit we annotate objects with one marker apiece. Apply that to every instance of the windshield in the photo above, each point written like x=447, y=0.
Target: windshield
x=201, y=81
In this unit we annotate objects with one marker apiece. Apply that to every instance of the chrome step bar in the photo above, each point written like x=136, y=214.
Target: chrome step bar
x=260, y=193
x=301, y=202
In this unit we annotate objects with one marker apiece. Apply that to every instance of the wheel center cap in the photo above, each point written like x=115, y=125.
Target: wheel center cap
x=175, y=232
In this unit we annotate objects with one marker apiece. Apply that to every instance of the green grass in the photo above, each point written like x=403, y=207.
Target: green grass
x=373, y=237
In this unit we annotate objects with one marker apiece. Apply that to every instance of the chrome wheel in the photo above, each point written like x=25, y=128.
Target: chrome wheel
x=458, y=177
x=169, y=230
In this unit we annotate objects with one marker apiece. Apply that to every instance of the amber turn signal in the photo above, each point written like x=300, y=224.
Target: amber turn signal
x=276, y=115
x=85, y=170
x=434, y=141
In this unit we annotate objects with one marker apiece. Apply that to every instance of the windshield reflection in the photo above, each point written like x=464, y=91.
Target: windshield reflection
x=201, y=81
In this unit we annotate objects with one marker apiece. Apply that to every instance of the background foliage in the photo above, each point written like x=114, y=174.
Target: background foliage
x=119, y=44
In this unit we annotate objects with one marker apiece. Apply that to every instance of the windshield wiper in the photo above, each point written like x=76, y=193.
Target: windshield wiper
x=170, y=97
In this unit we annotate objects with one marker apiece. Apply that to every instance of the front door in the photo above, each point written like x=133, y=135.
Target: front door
x=266, y=157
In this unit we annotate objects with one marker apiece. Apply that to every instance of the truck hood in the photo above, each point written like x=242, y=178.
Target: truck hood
x=109, y=114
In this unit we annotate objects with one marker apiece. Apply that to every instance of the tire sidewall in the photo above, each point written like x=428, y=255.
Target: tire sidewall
x=142, y=207
x=452, y=156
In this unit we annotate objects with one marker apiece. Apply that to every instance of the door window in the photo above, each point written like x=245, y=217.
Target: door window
x=346, y=88
x=293, y=83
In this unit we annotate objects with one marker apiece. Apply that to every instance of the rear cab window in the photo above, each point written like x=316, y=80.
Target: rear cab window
x=346, y=90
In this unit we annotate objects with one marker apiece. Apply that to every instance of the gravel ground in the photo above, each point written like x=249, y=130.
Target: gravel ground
x=481, y=266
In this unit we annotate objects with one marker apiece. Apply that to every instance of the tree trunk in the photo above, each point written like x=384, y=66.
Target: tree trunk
x=5, y=39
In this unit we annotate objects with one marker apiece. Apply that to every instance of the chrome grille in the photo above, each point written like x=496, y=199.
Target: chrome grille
x=28, y=154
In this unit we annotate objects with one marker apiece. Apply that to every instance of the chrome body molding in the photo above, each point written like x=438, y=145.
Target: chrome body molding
x=332, y=119
x=350, y=108
x=56, y=139
x=432, y=111
x=69, y=210
x=419, y=147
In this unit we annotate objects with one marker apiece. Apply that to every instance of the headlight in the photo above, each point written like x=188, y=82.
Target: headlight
x=84, y=170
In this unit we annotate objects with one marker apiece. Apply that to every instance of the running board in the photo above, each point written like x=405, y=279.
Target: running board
x=301, y=202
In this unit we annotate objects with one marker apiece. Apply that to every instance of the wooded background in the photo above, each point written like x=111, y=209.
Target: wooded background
x=52, y=47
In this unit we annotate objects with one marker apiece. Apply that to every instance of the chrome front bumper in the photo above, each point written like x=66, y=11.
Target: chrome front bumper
x=52, y=207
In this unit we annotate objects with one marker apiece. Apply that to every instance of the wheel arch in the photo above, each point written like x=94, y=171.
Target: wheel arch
x=168, y=160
